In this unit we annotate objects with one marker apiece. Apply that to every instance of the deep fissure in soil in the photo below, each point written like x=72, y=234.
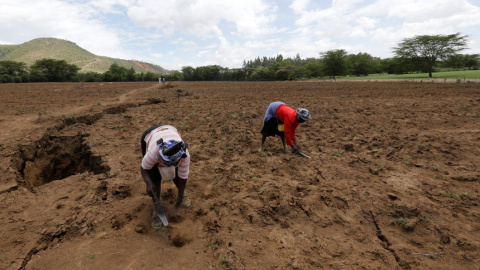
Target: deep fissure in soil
x=57, y=157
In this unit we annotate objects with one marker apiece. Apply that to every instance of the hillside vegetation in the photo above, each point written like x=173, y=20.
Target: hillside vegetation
x=53, y=48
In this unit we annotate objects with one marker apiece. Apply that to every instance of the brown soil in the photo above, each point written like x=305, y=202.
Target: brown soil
x=393, y=182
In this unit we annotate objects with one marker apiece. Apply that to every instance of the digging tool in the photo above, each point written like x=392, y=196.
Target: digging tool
x=159, y=210
x=303, y=154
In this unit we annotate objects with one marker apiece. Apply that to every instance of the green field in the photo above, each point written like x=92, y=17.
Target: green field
x=464, y=74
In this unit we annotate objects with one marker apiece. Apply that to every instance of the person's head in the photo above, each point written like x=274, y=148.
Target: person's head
x=302, y=115
x=172, y=151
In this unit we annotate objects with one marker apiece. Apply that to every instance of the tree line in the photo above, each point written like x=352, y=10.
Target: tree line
x=53, y=70
x=424, y=53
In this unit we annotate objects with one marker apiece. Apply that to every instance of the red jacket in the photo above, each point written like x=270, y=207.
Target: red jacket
x=288, y=116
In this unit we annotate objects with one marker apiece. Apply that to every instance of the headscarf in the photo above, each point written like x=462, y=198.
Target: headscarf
x=172, y=151
x=303, y=114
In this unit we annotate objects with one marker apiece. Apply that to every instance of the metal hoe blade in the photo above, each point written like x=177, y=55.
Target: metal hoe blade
x=159, y=210
x=303, y=154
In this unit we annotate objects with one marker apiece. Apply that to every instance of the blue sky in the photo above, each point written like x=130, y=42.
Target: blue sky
x=177, y=33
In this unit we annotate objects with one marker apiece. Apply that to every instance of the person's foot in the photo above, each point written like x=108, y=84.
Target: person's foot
x=186, y=201
x=156, y=222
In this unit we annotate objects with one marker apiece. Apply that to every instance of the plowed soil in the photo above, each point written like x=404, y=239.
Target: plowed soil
x=393, y=182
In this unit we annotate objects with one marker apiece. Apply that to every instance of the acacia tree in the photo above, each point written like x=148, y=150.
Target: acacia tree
x=53, y=70
x=335, y=62
x=426, y=50
x=360, y=64
x=12, y=68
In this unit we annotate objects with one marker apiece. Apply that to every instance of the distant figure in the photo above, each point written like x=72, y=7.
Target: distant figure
x=160, y=80
x=281, y=120
x=163, y=79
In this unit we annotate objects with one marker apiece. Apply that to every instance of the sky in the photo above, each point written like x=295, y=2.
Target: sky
x=178, y=33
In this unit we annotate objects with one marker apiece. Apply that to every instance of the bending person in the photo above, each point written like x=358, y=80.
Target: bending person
x=282, y=120
x=165, y=156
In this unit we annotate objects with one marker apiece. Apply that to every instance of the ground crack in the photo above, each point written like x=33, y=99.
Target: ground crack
x=386, y=244
x=42, y=244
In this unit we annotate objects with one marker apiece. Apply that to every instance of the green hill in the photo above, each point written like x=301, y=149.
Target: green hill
x=60, y=49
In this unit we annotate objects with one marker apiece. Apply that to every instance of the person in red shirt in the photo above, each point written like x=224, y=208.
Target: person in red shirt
x=282, y=120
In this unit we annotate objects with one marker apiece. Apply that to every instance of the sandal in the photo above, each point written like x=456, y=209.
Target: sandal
x=186, y=201
x=156, y=222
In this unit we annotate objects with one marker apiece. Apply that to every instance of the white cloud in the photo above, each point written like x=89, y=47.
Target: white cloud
x=189, y=44
x=202, y=18
x=176, y=33
x=299, y=6
x=22, y=21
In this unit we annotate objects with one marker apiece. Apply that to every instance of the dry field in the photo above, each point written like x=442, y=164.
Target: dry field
x=393, y=182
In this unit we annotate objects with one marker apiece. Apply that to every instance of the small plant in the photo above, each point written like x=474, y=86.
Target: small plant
x=214, y=245
x=225, y=148
x=406, y=160
x=379, y=165
x=214, y=176
x=223, y=258
x=42, y=112
x=336, y=154
x=451, y=195
x=289, y=264
x=70, y=116
x=212, y=111
x=429, y=219
x=437, y=167
x=211, y=266
x=91, y=256
x=261, y=190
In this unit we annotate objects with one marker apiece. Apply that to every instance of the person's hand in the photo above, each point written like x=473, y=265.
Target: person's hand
x=295, y=149
x=147, y=177
x=151, y=189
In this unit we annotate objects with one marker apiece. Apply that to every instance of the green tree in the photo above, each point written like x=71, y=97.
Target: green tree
x=13, y=68
x=188, y=73
x=335, y=62
x=314, y=68
x=175, y=76
x=116, y=73
x=360, y=64
x=130, y=75
x=426, y=50
x=397, y=65
x=54, y=70
x=90, y=76
x=469, y=61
